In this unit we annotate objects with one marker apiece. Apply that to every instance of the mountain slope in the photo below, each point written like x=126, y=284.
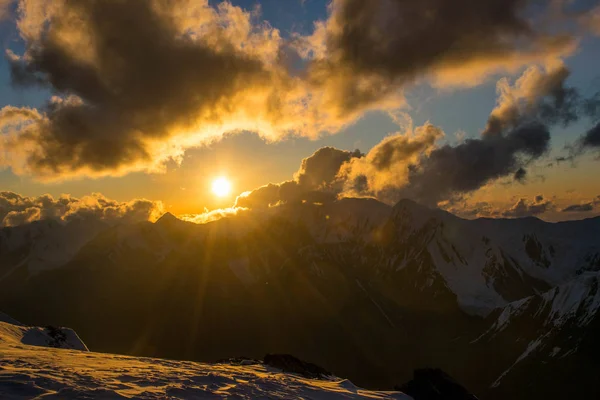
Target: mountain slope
x=354, y=285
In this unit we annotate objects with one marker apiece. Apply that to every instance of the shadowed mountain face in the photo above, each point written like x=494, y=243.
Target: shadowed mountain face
x=367, y=291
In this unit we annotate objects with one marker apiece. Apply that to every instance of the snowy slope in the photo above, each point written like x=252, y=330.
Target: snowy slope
x=570, y=305
x=44, y=244
x=546, y=328
x=12, y=332
x=489, y=263
x=35, y=372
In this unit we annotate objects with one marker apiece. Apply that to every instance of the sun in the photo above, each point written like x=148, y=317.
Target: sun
x=221, y=186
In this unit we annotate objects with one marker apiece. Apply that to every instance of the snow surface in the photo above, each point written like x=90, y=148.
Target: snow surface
x=48, y=373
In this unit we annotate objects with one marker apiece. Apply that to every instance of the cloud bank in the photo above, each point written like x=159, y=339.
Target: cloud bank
x=525, y=208
x=16, y=209
x=583, y=207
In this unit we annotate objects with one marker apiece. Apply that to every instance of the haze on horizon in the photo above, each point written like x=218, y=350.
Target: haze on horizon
x=134, y=108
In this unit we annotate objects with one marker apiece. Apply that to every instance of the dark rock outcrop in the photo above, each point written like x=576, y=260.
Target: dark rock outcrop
x=434, y=384
x=289, y=363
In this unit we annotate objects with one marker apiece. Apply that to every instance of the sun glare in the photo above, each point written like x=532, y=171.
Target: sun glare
x=221, y=186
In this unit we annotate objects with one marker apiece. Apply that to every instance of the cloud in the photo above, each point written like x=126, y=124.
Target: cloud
x=583, y=207
x=448, y=171
x=14, y=218
x=367, y=52
x=592, y=137
x=590, y=141
x=321, y=168
x=385, y=165
x=471, y=210
x=539, y=93
x=522, y=208
x=315, y=181
x=591, y=20
x=416, y=164
x=137, y=82
x=407, y=165
x=5, y=9
x=515, y=135
x=16, y=209
x=525, y=208
x=579, y=208
x=212, y=215
x=520, y=175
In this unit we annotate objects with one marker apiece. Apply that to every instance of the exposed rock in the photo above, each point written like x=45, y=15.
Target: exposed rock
x=434, y=384
x=289, y=363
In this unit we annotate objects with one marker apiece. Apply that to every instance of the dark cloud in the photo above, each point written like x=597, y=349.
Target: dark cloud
x=584, y=207
x=590, y=141
x=321, y=168
x=520, y=175
x=468, y=166
x=263, y=196
x=16, y=209
x=592, y=137
x=476, y=210
x=316, y=181
x=524, y=208
x=579, y=208
x=367, y=51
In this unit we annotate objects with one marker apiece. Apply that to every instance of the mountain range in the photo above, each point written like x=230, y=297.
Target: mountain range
x=509, y=307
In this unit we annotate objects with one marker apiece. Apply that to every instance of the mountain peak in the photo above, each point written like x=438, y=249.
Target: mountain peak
x=411, y=205
x=167, y=218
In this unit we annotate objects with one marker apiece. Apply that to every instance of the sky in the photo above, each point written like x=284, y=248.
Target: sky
x=486, y=110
